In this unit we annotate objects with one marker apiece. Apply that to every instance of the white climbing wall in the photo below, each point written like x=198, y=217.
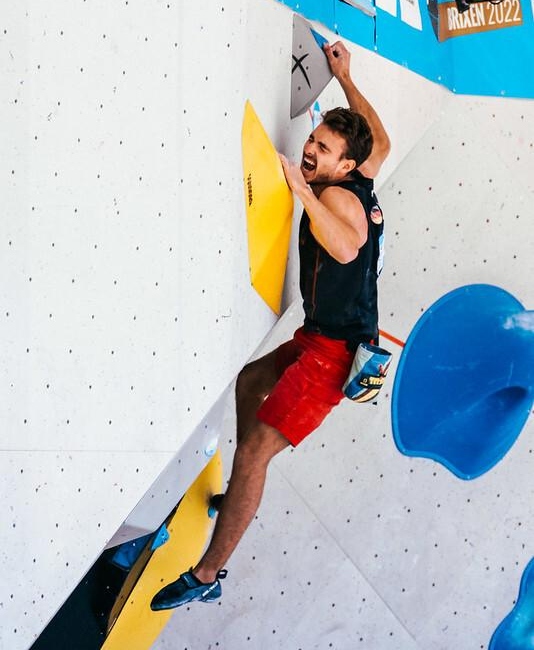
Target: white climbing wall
x=126, y=307
x=126, y=311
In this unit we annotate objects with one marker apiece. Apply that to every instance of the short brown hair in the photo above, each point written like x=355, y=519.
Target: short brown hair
x=355, y=130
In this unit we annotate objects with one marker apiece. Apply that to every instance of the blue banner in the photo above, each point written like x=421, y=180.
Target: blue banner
x=471, y=47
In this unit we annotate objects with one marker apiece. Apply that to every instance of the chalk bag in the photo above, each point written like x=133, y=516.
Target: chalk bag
x=367, y=373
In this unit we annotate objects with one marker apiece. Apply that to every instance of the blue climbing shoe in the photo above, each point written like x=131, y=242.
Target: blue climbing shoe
x=187, y=589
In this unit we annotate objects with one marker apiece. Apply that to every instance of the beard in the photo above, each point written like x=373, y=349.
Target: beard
x=312, y=176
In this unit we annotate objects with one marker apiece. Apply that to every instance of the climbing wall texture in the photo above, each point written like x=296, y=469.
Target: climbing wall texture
x=126, y=310
x=126, y=307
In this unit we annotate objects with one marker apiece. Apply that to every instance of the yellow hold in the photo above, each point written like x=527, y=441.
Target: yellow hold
x=137, y=626
x=269, y=208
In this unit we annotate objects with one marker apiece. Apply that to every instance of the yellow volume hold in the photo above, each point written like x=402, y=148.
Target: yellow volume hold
x=269, y=209
x=133, y=625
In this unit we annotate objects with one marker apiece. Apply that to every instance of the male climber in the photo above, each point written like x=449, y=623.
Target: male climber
x=282, y=397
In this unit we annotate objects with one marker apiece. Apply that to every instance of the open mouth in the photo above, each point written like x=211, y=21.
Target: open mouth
x=308, y=164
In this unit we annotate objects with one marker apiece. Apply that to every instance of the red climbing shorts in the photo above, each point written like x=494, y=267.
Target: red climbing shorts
x=312, y=370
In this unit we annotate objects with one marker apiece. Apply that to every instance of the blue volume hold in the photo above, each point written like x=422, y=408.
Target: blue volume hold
x=464, y=386
x=127, y=553
x=516, y=631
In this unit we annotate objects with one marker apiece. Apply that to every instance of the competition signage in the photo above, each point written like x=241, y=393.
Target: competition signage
x=478, y=17
x=470, y=46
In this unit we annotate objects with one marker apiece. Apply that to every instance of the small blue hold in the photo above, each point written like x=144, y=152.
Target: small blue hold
x=319, y=39
x=516, y=631
x=211, y=448
x=212, y=512
x=161, y=537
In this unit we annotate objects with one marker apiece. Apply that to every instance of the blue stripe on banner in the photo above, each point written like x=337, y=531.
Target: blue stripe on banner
x=494, y=58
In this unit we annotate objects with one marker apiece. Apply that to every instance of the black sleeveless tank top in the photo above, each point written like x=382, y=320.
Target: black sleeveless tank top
x=340, y=300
